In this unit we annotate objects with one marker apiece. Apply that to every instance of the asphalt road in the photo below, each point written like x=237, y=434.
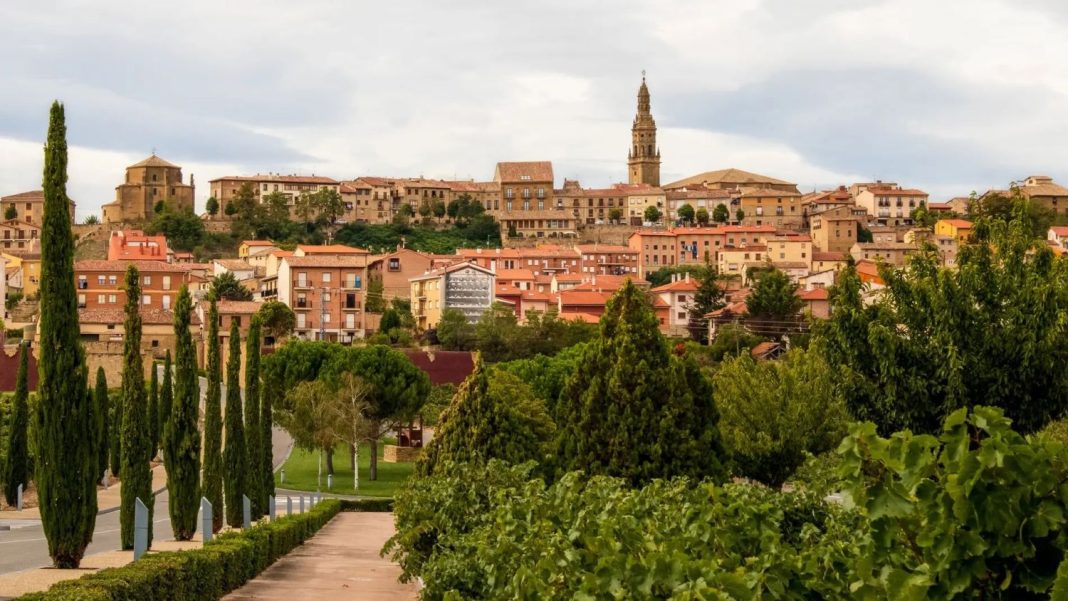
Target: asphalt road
x=25, y=547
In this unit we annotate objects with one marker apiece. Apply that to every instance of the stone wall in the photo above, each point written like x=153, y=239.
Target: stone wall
x=393, y=454
x=590, y=234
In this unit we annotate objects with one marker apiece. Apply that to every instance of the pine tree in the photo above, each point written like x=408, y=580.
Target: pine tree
x=253, y=434
x=102, y=416
x=234, y=455
x=634, y=411
x=17, y=464
x=166, y=402
x=66, y=461
x=136, y=446
x=213, y=459
x=153, y=410
x=182, y=438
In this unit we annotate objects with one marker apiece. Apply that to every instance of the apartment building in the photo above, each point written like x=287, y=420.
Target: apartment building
x=958, y=229
x=607, y=259
x=467, y=287
x=639, y=197
x=889, y=204
x=526, y=187
x=19, y=237
x=769, y=206
x=326, y=292
x=28, y=207
x=834, y=234
x=134, y=245
x=28, y=267
x=101, y=284
x=395, y=269
x=675, y=300
x=697, y=198
x=224, y=189
x=146, y=184
x=736, y=261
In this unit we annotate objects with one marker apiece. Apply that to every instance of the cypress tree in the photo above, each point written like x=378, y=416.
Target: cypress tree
x=17, y=465
x=182, y=438
x=102, y=415
x=253, y=434
x=213, y=460
x=267, y=455
x=66, y=461
x=235, y=455
x=633, y=410
x=166, y=401
x=153, y=410
x=136, y=446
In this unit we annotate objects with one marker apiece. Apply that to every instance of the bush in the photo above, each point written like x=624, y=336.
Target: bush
x=221, y=566
x=367, y=505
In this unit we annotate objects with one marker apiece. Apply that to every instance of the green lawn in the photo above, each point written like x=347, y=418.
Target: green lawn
x=302, y=466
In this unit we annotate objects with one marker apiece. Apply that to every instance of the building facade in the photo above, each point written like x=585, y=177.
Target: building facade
x=466, y=287
x=101, y=284
x=148, y=183
x=326, y=292
x=27, y=207
x=643, y=159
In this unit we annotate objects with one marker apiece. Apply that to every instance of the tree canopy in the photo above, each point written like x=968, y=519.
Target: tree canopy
x=226, y=287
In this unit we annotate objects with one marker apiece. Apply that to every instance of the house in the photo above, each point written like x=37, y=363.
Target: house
x=250, y=248
x=1058, y=235
x=959, y=229
x=466, y=287
x=889, y=203
x=28, y=207
x=19, y=237
x=102, y=334
x=101, y=284
x=582, y=304
x=135, y=245
x=675, y=298
x=658, y=248
x=395, y=269
x=607, y=259
x=326, y=292
x=822, y=261
x=891, y=253
x=817, y=302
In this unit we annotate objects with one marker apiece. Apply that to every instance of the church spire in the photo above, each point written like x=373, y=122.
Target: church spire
x=643, y=160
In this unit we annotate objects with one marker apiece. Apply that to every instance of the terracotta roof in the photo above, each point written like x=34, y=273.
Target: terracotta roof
x=524, y=171
x=443, y=367
x=584, y=298
x=31, y=196
x=331, y=249
x=143, y=266
x=153, y=161
x=766, y=193
x=534, y=295
x=885, y=246
x=698, y=194
x=257, y=243
x=515, y=274
x=814, y=294
x=605, y=248
x=682, y=285
x=148, y=316
x=749, y=248
x=583, y=317
x=487, y=252
x=326, y=261
x=233, y=264
x=1059, y=230
x=281, y=179
x=828, y=256
x=727, y=176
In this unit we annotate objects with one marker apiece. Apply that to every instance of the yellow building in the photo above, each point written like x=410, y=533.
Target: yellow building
x=30, y=264
x=639, y=197
x=27, y=207
x=147, y=183
x=790, y=249
x=768, y=206
x=958, y=229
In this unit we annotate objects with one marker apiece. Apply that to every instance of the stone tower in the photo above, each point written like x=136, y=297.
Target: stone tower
x=643, y=160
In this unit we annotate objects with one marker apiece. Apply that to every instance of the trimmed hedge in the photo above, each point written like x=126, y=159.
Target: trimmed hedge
x=208, y=573
x=367, y=505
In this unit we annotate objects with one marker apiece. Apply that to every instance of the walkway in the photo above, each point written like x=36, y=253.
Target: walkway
x=340, y=562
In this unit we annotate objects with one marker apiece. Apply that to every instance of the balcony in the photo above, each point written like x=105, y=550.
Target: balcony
x=304, y=284
x=303, y=304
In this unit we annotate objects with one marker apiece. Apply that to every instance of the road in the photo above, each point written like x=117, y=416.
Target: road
x=25, y=547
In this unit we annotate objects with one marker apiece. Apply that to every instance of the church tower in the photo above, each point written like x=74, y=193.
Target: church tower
x=643, y=160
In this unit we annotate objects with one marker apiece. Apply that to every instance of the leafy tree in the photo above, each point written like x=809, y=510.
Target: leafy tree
x=11, y=212
x=231, y=209
x=102, y=417
x=490, y=419
x=153, y=409
x=1004, y=207
x=708, y=297
x=136, y=447
x=702, y=216
x=349, y=410
x=773, y=297
x=235, y=455
x=66, y=461
x=166, y=400
x=439, y=209
x=922, y=216
x=212, y=206
x=376, y=295
x=992, y=331
x=277, y=319
x=652, y=214
x=91, y=220
x=17, y=461
x=213, y=452
x=664, y=274
x=183, y=434
x=390, y=321
x=328, y=205
x=455, y=333
x=183, y=229
x=253, y=443
x=159, y=208
x=547, y=334
x=226, y=287
x=721, y=213
x=686, y=213
x=547, y=376
x=774, y=413
x=732, y=339
x=497, y=333
x=633, y=410
x=739, y=215
x=864, y=234
x=403, y=215
x=615, y=215
x=310, y=418
x=305, y=207
x=425, y=209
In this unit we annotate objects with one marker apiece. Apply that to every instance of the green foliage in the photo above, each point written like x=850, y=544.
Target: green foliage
x=183, y=229
x=11, y=212
x=16, y=463
x=136, y=448
x=634, y=410
x=721, y=213
x=66, y=458
x=923, y=217
x=212, y=206
x=203, y=574
x=652, y=214
x=664, y=274
x=547, y=375
x=102, y=418
x=481, y=230
x=253, y=433
x=153, y=409
x=91, y=220
x=708, y=297
x=739, y=215
x=686, y=213
x=615, y=215
x=774, y=296
x=702, y=217
x=774, y=413
x=497, y=332
x=390, y=321
x=499, y=336
x=864, y=234
x=226, y=287
x=266, y=465
x=732, y=339
x=439, y=398
x=1036, y=216
x=182, y=440
x=455, y=333
x=992, y=331
x=235, y=456
x=491, y=417
x=277, y=319
x=213, y=453
x=115, y=426
x=166, y=399
x=376, y=295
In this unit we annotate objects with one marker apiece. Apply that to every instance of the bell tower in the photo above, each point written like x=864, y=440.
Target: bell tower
x=643, y=160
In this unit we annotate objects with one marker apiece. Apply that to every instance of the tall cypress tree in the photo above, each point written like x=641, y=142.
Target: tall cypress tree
x=136, y=446
x=102, y=416
x=153, y=410
x=213, y=460
x=182, y=440
x=66, y=461
x=253, y=434
x=17, y=465
x=166, y=401
x=267, y=455
x=235, y=454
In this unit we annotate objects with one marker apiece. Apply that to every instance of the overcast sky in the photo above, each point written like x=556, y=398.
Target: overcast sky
x=950, y=96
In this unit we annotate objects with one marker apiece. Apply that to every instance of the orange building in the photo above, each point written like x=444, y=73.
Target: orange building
x=100, y=284
x=134, y=245
x=326, y=292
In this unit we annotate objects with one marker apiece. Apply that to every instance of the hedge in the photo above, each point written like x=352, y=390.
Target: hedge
x=384, y=505
x=208, y=573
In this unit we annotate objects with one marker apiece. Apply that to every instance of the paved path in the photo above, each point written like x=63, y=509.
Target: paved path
x=340, y=562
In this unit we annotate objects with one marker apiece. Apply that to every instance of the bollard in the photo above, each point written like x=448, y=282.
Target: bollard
x=302, y=503
x=270, y=507
x=283, y=475
x=18, y=503
x=207, y=525
x=289, y=505
x=247, y=511
x=140, y=529
x=329, y=482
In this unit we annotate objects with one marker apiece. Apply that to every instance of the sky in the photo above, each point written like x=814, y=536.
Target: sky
x=949, y=96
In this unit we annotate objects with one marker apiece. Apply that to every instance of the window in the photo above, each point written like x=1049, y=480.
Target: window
x=326, y=318
x=112, y=299
x=166, y=282
x=326, y=297
x=146, y=300
x=81, y=301
x=302, y=279
x=113, y=280
x=148, y=280
x=83, y=282
x=394, y=264
x=236, y=320
x=101, y=299
x=166, y=301
x=326, y=277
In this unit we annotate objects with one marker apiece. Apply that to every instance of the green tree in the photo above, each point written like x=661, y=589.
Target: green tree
x=135, y=472
x=634, y=410
x=702, y=216
x=922, y=216
x=277, y=319
x=425, y=209
x=11, y=212
x=65, y=459
x=403, y=215
x=305, y=207
x=773, y=297
x=212, y=206
x=455, y=333
x=166, y=400
x=686, y=213
x=708, y=297
x=328, y=205
x=390, y=320
x=235, y=456
x=231, y=209
x=775, y=413
x=864, y=234
x=153, y=409
x=102, y=417
x=739, y=215
x=496, y=418
x=226, y=287
x=498, y=334
x=376, y=295
x=17, y=461
x=615, y=215
x=721, y=213
x=253, y=433
x=1014, y=205
x=91, y=220
x=732, y=339
x=183, y=434
x=439, y=209
x=159, y=208
x=115, y=441
x=213, y=453
x=183, y=229
x=652, y=214
x=266, y=465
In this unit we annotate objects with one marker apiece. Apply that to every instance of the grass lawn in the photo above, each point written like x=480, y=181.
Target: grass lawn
x=302, y=466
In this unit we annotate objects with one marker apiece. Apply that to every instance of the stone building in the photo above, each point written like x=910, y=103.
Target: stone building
x=643, y=159
x=147, y=183
x=28, y=207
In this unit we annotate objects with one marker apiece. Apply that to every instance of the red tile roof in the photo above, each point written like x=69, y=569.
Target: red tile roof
x=525, y=171
x=682, y=285
x=584, y=298
x=443, y=367
x=814, y=294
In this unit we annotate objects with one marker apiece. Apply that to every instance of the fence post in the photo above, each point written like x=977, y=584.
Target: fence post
x=302, y=503
x=246, y=511
x=207, y=525
x=329, y=482
x=140, y=529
